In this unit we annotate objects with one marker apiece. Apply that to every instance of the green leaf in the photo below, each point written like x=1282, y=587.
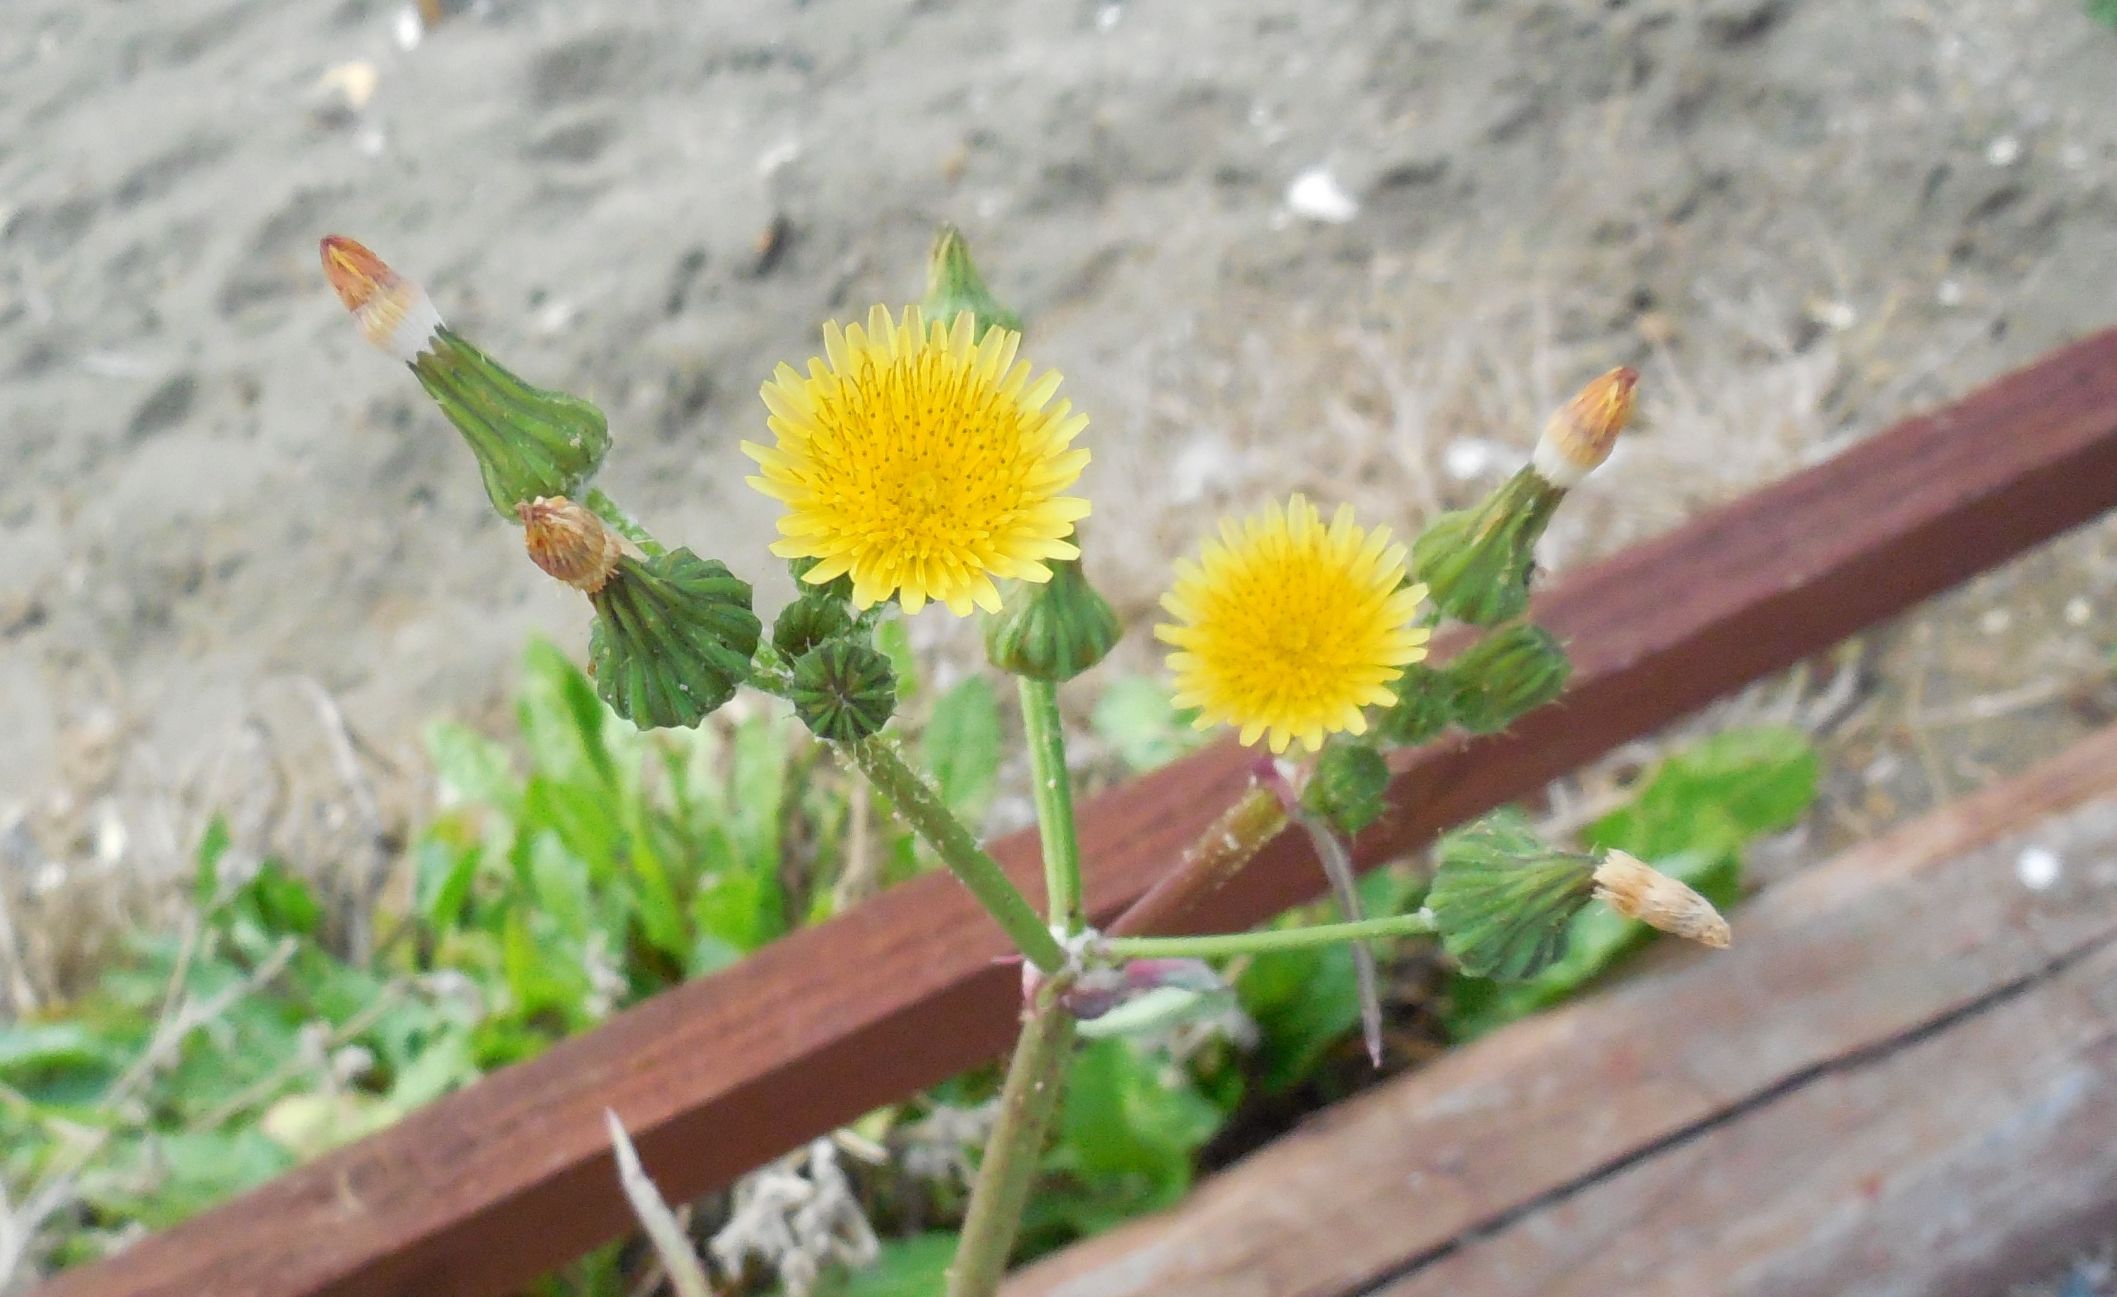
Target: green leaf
x=1135, y=717
x=32, y=1048
x=472, y=768
x=962, y=748
x=893, y=637
x=212, y=846
x=562, y=719
x=1129, y=1133
x=442, y=874
x=1717, y=795
x=906, y=1267
x=2103, y=11
x=279, y=903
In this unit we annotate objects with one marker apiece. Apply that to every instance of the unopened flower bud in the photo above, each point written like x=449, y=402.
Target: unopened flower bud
x=809, y=621
x=673, y=636
x=843, y=690
x=1502, y=901
x=1477, y=562
x=953, y=285
x=1505, y=675
x=1579, y=436
x=1052, y=630
x=1424, y=706
x=529, y=442
x=569, y=543
x=1637, y=890
x=394, y=313
x=1349, y=786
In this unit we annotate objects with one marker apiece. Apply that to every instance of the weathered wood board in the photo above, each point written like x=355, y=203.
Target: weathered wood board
x=1900, y=1080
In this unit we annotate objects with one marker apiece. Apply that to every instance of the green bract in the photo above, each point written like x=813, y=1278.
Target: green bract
x=808, y=621
x=1476, y=563
x=1501, y=899
x=1350, y=786
x=1054, y=630
x=673, y=636
x=1507, y=674
x=529, y=442
x=953, y=285
x=844, y=690
x=1424, y=706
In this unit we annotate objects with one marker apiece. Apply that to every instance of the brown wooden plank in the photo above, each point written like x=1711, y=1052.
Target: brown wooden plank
x=1776, y=1119
x=500, y=1182
x=1951, y=1164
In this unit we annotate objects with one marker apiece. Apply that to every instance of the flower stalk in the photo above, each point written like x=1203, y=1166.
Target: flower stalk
x=922, y=809
x=1053, y=791
x=1028, y=1101
x=1268, y=941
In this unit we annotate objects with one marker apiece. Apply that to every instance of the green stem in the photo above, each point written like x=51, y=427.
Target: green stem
x=1053, y=789
x=1267, y=940
x=921, y=807
x=624, y=524
x=1029, y=1100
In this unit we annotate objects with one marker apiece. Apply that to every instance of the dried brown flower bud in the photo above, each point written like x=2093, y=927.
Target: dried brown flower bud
x=1580, y=435
x=1637, y=890
x=393, y=312
x=568, y=542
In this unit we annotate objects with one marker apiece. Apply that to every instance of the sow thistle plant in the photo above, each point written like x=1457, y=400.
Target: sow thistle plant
x=922, y=460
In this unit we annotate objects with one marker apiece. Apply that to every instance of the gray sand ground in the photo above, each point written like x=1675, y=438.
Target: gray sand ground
x=1799, y=218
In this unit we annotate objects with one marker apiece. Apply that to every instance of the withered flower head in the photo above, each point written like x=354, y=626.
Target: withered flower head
x=568, y=542
x=1637, y=890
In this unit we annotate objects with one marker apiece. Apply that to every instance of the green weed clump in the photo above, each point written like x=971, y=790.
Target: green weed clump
x=582, y=865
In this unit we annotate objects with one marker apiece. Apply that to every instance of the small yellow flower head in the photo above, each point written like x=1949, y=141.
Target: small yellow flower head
x=922, y=460
x=1287, y=628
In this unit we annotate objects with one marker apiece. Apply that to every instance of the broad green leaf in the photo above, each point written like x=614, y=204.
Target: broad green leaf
x=442, y=874
x=757, y=790
x=472, y=768
x=562, y=719
x=893, y=638
x=1129, y=1131
x=962, y=748
x=1717, y=795
x=1135, y=717
x=559, y=883
x=31, y=1048
x=906, y=1267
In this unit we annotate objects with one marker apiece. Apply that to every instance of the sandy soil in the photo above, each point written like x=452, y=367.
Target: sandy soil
x=1351, y=247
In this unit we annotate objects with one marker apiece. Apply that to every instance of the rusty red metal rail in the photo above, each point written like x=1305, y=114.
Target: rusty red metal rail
x=495, y=1184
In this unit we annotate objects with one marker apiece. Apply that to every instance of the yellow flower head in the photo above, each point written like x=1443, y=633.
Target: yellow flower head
x=1288, y=628
x=923, y=461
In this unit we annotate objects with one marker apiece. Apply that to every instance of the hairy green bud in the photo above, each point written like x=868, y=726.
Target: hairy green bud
x=1477, y=562
x=1501, y=900
x=1424, y=706
x=1349, y=786
x=1505, y=675
x=844, y=690
x=1053, y=630
x=809, y=621
x=673, y=637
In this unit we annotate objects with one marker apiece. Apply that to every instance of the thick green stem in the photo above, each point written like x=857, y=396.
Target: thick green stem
x=624, y=524
x=1054, y=803
x=1035, y=1083
x=1267, y=940
x=922, y=809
